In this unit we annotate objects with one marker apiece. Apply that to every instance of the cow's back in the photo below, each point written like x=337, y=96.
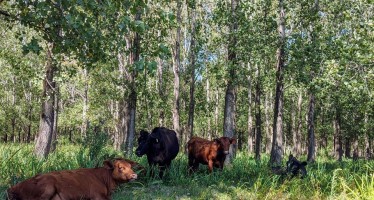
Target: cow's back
x=67, y=184
x=199, y=149
x=170, y=142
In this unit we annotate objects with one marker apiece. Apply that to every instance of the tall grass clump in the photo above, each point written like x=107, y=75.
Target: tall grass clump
x=245, y=178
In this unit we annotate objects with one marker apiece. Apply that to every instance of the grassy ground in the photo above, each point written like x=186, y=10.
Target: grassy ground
x=245, y=179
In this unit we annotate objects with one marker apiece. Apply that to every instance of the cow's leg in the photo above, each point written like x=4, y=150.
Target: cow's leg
x=162, y=169
x=190, y=164
x=221, y=166
x=210, y=166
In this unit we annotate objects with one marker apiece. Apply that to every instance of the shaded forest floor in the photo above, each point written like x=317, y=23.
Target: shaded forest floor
x=245, y=179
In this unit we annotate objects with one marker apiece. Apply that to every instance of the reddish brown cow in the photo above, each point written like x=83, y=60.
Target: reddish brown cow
x=93, y=183
x=211, y=153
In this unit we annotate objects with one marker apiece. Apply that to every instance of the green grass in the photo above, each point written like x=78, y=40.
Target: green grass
x=244, y=179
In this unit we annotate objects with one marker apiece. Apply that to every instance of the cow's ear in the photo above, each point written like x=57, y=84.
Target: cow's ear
x=108, y=164
x=233, y=140
x=155, y=139
x=218, y=141
x=143, y=133
x=304, y=163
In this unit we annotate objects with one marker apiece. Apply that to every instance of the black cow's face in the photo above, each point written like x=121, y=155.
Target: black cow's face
x=147, y=141
x=295, y=167
x=143, y=143
x=224, y=143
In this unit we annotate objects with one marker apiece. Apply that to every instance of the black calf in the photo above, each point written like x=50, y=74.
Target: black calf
x=294, y=167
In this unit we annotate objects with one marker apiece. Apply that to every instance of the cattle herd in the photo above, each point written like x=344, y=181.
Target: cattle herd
x=160, y=146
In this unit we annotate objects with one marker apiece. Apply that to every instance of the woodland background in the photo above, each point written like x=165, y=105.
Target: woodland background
x=79, y=79
x=282, y=76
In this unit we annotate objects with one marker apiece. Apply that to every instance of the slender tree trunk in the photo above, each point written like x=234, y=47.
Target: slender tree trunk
x=119, y=110
x=176, y=66
x=347, y=147
x=29, y=125
x=132, y=98
x=355, y=148
x=277, y=147
x=209, y=131
x=28, y=96
x=191, y=107
x=85, y=104
x=250, y=117
x=258, y=115
x=293, y=119
x=5, y=138
x=369, y=147
x=368, y=141
x=44, y=138
x=297, y=150
x=311, y=136
x=13, y=119
x=268, y=109
x=230, y=101
x=13, y=135
x=216, y=112
x=55, y=118
x=161, y=117
x=338, y=150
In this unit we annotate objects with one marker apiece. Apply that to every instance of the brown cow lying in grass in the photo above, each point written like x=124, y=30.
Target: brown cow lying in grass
x=211, y=153
x=91, y=183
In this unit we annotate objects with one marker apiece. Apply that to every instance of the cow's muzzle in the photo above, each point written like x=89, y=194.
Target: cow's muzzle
x=134, y=176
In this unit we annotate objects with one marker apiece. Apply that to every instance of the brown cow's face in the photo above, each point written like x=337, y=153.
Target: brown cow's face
x=123, y=172
x=224, y=143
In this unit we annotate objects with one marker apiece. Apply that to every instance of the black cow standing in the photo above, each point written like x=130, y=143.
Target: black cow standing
x=294, y=167
x=161, y=147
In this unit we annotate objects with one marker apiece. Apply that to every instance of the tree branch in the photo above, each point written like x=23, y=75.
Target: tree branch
x=4, y=13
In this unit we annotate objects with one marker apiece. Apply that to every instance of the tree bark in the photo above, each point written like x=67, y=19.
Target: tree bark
x=250, y=117
x=355, y=148
x=338, y=146
x=311, y=136
x=84, y=125
x=44, y=139
x=277, y=147
x=347, y=147
x=119, y=127
x=132, y=98
x=209, y=129
x=161, y=117
x=229, y=111
x=293, y=125
x=176, y=66
x=191, y=107
x=258, y=115
x=28, y=96
x=297, y=150
x=216, y=112
x=268, y=130
x=55, y=118
x=13, y=118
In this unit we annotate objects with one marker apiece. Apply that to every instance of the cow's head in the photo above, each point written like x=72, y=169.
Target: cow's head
x=224, y=144
x=295, y=167
x=146, y=142
x=122, y=171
